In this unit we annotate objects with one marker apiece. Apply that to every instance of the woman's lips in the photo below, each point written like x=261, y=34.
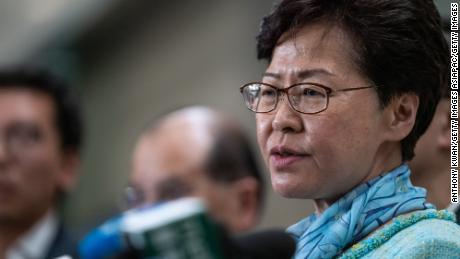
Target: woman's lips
x=281, y=162
x=282, y=157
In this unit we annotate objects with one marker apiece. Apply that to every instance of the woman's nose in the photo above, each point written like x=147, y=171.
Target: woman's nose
x=286, y=118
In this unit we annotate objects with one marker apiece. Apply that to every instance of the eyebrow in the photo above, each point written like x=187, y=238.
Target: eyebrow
x=306, y=73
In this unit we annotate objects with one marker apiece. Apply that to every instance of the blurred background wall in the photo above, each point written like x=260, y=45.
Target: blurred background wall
x=133, y=60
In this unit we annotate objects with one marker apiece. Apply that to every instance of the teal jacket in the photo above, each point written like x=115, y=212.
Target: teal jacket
x=429, y=238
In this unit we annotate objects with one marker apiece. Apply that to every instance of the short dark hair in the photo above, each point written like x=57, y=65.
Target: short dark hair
x=232, y=158
x=67, y=108
x=399, y=46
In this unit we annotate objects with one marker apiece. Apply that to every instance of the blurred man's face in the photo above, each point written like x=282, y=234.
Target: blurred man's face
x=32, y=165
x=430, y=166
x=433, y=147
x=168, y=164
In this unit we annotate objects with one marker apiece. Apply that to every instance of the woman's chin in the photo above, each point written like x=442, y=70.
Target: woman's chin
x=287, y=185
x=290, y=191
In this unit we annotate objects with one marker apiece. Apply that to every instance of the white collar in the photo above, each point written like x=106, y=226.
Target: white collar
x=36, y=242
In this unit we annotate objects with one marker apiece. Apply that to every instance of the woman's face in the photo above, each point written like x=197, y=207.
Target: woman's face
x=324, y=155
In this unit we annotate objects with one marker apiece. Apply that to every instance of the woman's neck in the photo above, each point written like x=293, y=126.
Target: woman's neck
x=387, y=158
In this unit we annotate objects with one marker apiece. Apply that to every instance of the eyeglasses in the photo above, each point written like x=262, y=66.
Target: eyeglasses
x=307, y=98
x=19, y=138
x=166, y=190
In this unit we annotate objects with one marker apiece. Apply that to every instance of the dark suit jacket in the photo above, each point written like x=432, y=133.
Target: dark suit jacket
x=63, y=244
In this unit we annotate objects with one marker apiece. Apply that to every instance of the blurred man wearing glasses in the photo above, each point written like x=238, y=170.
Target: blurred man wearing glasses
x=198, y=152
x=40, y=137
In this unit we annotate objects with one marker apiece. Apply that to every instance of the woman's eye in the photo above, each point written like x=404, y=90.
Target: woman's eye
x=268, y=92
x=312, y=92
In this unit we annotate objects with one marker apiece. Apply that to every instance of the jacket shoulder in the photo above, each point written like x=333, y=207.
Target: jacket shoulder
x=431, y=238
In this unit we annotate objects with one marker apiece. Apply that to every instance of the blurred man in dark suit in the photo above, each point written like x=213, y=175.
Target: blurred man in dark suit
x=40, y=138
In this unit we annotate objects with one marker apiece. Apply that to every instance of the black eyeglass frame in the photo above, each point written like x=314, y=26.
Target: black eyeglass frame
x=328, y=90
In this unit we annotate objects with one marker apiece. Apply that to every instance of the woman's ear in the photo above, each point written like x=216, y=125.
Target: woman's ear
x=400, y=115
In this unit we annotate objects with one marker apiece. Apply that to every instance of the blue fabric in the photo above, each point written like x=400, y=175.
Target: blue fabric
x=390, y=232
x=358, y=213
x=428, y=239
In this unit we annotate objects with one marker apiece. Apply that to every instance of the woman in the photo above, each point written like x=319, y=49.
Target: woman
x=350, y=87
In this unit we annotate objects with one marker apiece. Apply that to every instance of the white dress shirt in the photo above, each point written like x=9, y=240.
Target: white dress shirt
x=36, y=242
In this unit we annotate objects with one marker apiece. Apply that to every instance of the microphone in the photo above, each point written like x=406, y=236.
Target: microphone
x=179, y=229
x=174, y=229
x=268, y=244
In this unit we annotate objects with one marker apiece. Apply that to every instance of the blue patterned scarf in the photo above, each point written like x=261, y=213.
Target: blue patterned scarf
x=358, y=213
